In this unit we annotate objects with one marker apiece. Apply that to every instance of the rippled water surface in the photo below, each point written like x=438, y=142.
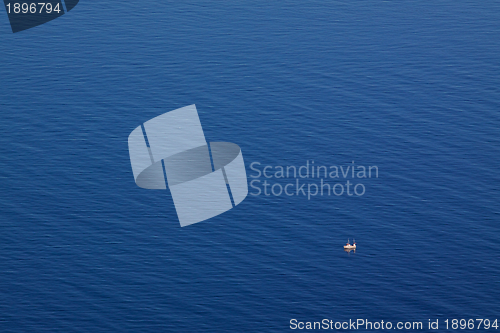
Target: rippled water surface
x=412, y=88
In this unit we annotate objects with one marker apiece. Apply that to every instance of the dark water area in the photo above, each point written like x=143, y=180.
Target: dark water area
x=412, y=88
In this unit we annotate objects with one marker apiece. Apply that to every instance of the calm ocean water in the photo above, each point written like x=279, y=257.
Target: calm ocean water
x=410, y=87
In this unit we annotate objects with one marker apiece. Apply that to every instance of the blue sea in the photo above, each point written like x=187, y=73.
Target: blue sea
x=410, y=87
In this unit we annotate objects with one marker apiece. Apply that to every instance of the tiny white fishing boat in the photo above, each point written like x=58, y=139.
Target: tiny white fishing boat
x=348, y=246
